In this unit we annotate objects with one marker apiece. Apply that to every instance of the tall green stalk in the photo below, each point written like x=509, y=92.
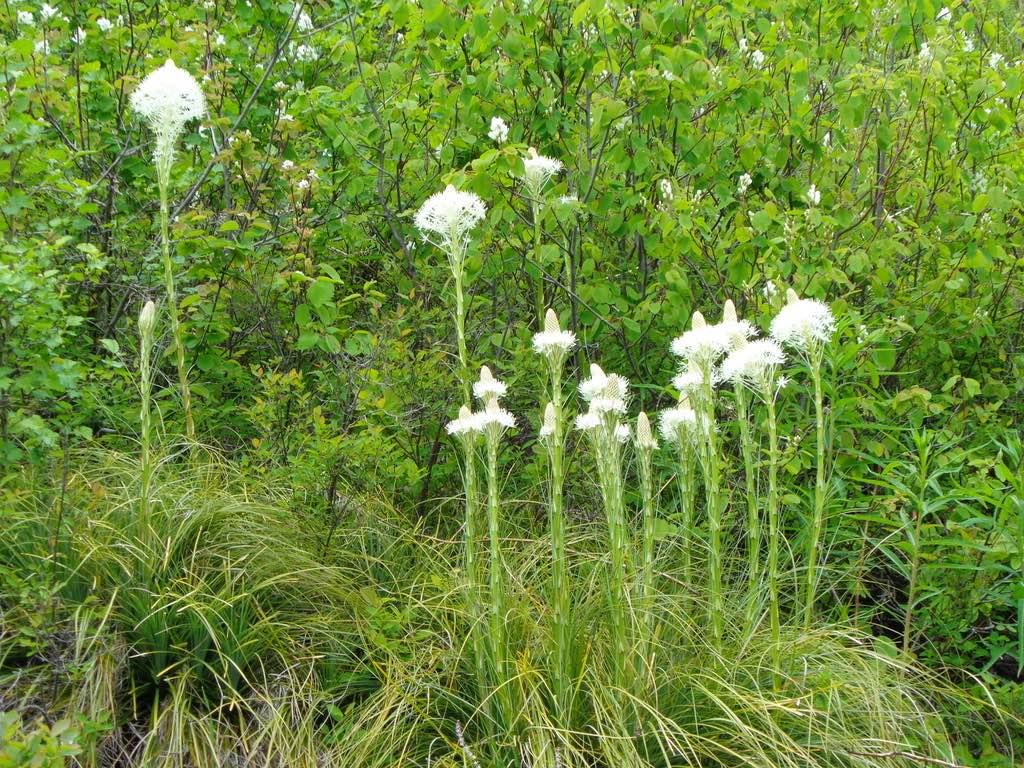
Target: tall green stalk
x=645, y=446
x=753, y=515
x=712, y=492
x=817, y=519
x=539, y=302
x=611, y=482
x=163, y=181
x=498, y=632
x=458, y=274
x=773, y=529
x=147, y=321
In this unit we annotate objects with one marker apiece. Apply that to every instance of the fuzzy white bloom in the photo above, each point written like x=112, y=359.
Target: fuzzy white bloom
x=803, y=323
x=219, y=40
x=304, y=23
x=677, y=423
x=586, y=422
x=499, y=131
x=467, y=425
x=287, y=165
x=622, y=433
x=495, y=419
x=995, y=59
x=547, y=427
x=644, y=435
x=753, y=364
x=538, y=170
x=450, y=216
x=47, y=12
x=665, y=190
x=42, y=47
x=147, y=318
x=306, y=53
x=813, y=195
x=26, y=18
x=944, y=14
x=925, y=55
x=553, y=342
x=280, y=85
x=78, y=36
x=703, y=344
x=743, y=44
x=757, y=59
x=104, y=24
x=303, y=184
x=744, y=183
x=487, y=388
x=166, y=99
x=688, y=381
x=604, y=386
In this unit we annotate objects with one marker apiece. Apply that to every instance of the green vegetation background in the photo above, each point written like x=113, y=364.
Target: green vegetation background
x=317, y=325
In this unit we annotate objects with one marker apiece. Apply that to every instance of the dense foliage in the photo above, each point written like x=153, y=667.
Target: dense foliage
x=868, y=154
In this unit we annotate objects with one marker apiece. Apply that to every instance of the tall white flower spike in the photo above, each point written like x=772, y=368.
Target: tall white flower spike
x=803, y=323
x=487, y=388
x=446, y=218
x=538, y=170
x=553, y=342
x=166, y=99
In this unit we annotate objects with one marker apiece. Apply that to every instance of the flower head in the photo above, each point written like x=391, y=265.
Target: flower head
x=25, y=17
x=538, y=170
x=644, y=436
x=547, y=428
x=47, y=12
x=679, y=424
x=499, y=131
x=587, y=422
x=803, y=323
x=744, y=183
x=622, y=433
x=813, y=195
x=753, y=364
x=606, y=393
x=553, y=342
x=104, y=24
x=467, y=425
x=147, y=318
x=450, y=216
x=494, y=419
x=488, y=389
x=166, y=99
x=703, y=344
x=688, y=381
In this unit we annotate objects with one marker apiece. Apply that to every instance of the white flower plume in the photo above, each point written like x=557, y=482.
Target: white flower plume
x=494, y=419
x=606, y=393
x=679, y=423
x=449, y=217
x=553, y=342
x=803, y=323
x=538, y=170
x=488, y=389
x=754, y=364
x=467, y=425
x=166, y=99
x=704, y=344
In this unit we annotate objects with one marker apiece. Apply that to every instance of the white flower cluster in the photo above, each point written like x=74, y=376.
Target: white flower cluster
x=678, y=425
x=605, y=393
x=538, y=170
x=703, y=345
x=754, y=364
x=492, y=420
x=166, y=99
x=803, y=324
x=744, y=183
x=553, y=343
x=813, y=195
x=499, y=131
x=449, y=216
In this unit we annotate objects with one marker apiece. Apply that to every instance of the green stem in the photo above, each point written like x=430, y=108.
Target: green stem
x=497, y=587
x=647, y=496
x=712, y=487
x=773, y=528
x=145, y=424
x=618, y=544
x=562, y=677
x=474, y=587
x=817, y=518
x=539, y=287
x=685, y=479
x=460, y=330
x=753, y=517
x=172, y=304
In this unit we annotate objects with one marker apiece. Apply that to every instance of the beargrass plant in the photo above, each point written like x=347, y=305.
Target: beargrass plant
x=555, y=345
x=806, y=326
x=538, y=170
x=147, y=323
x=167, y=99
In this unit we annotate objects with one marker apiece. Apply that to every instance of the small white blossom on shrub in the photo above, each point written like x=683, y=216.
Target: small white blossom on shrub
x=78, y=37
x=499, y=131
x=538, y=170
x=26, y=18
x=744, y=183
x=757, y=59
x=813, y=195
x=306, y=53
x=47, y=12
x=104, y=24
